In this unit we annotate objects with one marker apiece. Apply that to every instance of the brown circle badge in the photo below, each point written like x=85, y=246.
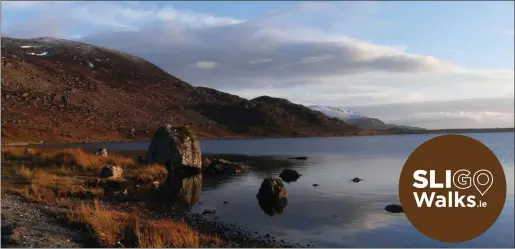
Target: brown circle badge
x=452, y=188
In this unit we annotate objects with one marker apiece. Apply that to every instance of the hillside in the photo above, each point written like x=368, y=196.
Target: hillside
x=60, y=90
x=361, y=121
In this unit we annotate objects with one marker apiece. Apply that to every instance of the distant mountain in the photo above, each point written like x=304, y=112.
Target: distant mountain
x=361, y=121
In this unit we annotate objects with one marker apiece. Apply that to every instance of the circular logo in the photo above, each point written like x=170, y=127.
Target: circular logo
x=452, y=188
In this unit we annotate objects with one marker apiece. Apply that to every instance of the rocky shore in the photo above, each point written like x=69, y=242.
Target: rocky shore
x=55, y=198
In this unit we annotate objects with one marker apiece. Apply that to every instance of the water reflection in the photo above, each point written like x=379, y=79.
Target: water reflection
x=182, y=190
x=272, y=207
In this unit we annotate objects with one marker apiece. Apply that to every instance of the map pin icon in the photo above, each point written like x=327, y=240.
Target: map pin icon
x=483, y=180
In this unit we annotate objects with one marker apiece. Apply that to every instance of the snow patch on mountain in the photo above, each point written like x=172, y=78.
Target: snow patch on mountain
x=337, y=112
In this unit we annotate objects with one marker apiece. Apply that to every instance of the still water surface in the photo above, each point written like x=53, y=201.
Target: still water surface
x=337, y=213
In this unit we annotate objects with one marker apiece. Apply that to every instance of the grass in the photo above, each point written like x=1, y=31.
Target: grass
x=112, y=226
x=53, y=175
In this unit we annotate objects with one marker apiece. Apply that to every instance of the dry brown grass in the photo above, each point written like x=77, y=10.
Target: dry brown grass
x=112, y=226
x=146, y=173
x=50, y=174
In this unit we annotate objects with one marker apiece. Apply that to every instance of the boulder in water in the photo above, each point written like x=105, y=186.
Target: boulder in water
x=394, y=208
x=272, y=196
x=176, y=147
x=289, y=175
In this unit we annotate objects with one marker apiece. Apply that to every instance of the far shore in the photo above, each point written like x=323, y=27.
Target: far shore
x=367, y=133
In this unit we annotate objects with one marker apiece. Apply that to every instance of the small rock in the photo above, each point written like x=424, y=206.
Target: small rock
x=356, y=179
x=101, y=152
x=225, y=202
x=110, y=171
x=299, y=158
x=289, y=175
x=315, y=185
x=394, y=208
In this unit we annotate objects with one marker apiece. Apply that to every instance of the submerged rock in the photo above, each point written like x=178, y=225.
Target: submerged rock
x=101, y=152
x=394, y=208
x=272, y=196
x=289, y=175
x=221, y=166
x=111, y=171
x=175, y=147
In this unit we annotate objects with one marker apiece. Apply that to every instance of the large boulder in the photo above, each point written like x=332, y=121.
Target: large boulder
x=272, y=188
x=175, y=147
x=290, y=175
x=111, y=171
x=221, y=166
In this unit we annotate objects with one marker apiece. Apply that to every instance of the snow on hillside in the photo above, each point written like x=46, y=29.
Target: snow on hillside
x=336, y=112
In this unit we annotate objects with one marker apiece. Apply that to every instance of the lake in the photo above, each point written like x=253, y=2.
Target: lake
x=337, y=213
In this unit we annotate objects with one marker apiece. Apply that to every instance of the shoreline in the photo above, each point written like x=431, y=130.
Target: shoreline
x=385, y=133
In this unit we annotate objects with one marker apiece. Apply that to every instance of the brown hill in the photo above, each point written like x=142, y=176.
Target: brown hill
x=60, y=90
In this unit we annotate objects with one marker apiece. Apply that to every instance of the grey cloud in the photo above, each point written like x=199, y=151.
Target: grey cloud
x=234, y=46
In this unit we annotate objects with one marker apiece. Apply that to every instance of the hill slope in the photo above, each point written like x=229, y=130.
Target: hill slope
x=60, y=90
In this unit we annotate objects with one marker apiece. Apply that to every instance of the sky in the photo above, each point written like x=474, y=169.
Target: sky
x=436, y=64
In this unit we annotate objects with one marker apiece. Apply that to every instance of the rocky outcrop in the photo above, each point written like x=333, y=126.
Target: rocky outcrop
x=176, y=147
x=272, y=196
x=111, y=171
x=221, y=166
x=289, y=175
x=101, y=152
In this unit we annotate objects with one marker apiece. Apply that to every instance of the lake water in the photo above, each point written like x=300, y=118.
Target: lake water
x=337, y=213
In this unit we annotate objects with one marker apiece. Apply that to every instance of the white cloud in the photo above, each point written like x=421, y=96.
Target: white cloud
x=260, y=61
x=206, y=64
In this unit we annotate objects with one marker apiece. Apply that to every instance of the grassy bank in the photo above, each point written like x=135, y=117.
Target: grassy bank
x=69, y=179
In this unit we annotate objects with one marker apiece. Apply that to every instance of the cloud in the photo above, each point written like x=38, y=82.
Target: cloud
x=205, y=64
x=467, y=113
x=99, y=17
